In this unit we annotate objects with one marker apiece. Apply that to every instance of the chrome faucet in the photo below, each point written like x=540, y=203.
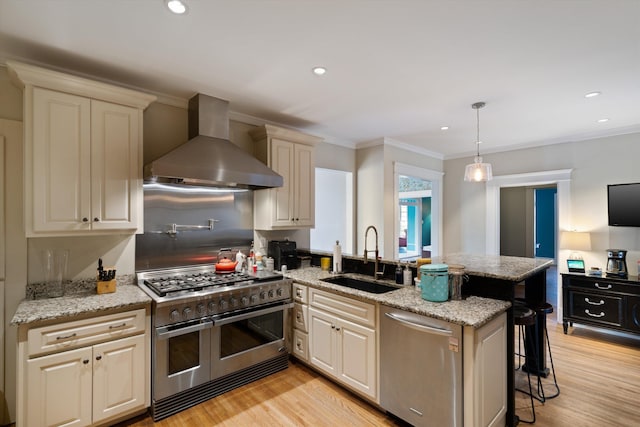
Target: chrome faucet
x=377, y=274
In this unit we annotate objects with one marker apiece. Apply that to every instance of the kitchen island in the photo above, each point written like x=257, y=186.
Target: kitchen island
x=495, y=276
x=344, y=333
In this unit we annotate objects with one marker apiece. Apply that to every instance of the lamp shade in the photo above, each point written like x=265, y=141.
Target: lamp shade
x=575, y=240
x=478, y=171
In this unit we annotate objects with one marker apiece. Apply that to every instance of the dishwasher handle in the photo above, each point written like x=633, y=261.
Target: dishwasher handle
x=420, y=326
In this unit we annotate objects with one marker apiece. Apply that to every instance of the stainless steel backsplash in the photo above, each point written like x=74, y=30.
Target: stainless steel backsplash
x=192, y=206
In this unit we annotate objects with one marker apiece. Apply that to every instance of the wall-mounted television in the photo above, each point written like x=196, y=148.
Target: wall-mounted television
x=623, y=202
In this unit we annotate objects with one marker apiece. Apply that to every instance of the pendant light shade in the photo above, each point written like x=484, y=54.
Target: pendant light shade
x=478, y=171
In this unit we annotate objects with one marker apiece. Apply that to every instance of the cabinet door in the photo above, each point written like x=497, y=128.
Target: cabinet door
x=115, y=166
x=304, y=186
x=60, y=389
x=282, y=163
x=357, y=356
x=118, y=377
x=322, y=348
x=60, y=162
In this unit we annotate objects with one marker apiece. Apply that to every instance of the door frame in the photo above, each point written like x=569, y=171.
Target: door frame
x=436, y=202
x=560, y=177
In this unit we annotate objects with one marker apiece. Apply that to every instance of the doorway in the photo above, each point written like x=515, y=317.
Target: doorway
x=528, y=221
x=561, y=178
x=417, y=221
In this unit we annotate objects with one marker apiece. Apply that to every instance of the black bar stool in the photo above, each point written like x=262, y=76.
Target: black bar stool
x=546, y=308
x=524, y=317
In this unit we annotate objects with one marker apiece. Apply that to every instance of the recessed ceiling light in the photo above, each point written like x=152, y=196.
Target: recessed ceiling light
x=592, y=94
x=177, y=6
x=605, y=120
x=319, y=71
x=444, y=128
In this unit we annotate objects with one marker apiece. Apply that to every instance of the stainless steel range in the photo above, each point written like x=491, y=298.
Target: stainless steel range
x=213, y=332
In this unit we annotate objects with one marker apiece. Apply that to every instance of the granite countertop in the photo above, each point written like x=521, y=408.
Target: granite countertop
x=80, y=297
x=472, y=311
x=515, y=269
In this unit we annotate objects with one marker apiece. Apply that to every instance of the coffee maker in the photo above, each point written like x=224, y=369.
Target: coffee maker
x=283, y=252
x=617, y=263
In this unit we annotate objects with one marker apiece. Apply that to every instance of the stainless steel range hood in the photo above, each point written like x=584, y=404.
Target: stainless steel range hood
x=208, y=158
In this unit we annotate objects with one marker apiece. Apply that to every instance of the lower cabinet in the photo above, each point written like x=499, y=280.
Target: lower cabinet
x=88, y=385
x=342, y=340
x=485, y=374
x=92, y=384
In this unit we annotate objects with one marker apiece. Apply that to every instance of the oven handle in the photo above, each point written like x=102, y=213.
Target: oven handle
x=164, y=333
x=250, y=314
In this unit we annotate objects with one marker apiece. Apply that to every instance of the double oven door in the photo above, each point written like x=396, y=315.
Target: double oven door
x=193, y=353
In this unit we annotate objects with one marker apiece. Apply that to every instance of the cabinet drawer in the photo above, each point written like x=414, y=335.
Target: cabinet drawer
x=301, y=317
x=596, y=308
x=300, y=293
x=301, y=345
x=602, y=285
x=347, y=308
x=64, y=336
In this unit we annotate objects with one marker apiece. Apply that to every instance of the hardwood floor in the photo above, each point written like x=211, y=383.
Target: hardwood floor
x=598, y=373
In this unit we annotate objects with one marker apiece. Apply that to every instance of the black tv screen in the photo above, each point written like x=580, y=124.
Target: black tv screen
x=624, y=204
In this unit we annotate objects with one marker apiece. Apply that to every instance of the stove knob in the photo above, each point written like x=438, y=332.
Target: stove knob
x=224, y=304
x=263, y=295
x=279, y=292
x=234, y=302
x=271, y=293
x=186, y=312
x=245, y=301
x=212, y=306
x=201, y=310
x=254, y=299
x=174, y=315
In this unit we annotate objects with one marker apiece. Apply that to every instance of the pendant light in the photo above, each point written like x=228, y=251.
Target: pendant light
x=478, y=171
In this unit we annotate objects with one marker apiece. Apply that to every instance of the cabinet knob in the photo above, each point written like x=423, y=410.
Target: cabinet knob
x=338, y=328
x=96, y=219
x=85, y=361
x=85, y=219
x=333, y=326
x=99, y=357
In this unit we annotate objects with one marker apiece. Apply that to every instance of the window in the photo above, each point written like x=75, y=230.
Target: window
x=334, y=211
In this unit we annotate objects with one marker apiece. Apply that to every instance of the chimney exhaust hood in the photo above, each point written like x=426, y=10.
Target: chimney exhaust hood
x=208, y=158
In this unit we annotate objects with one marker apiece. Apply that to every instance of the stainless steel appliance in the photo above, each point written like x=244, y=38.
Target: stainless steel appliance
x=283, y=252
x=617, y=263
x=213, y=332
x=420, y=368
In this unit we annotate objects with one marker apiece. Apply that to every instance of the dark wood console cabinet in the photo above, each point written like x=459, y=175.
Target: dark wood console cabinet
x=604, y=302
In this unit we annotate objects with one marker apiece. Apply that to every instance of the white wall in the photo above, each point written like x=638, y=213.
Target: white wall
x=594, y=163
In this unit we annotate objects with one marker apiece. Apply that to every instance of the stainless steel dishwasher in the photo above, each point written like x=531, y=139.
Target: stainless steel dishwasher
x=420, y=368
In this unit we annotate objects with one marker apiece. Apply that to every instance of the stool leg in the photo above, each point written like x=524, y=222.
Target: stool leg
x=533, y=409
x=553, y=370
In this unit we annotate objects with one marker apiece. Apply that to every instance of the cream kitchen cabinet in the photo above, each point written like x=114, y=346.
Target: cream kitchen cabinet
x=83, y=154
x=292, y=155
x=87, y=372
x=485, y=374
x=300, y=322
x=342, y=340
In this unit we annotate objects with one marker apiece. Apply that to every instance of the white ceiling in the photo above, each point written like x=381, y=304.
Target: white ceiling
x=397, y=69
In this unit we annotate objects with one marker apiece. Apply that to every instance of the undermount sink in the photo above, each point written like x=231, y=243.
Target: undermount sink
x=360, y=284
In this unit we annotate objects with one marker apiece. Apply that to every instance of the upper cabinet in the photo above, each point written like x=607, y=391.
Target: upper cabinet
x=83, y=154
x=292, y=155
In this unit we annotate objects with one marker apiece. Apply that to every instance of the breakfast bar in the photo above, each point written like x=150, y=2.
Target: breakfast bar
x=495, y=276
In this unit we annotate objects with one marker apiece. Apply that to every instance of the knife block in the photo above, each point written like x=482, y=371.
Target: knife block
x=106, y=286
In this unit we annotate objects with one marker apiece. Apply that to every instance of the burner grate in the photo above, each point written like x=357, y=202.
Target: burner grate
x=165, y=285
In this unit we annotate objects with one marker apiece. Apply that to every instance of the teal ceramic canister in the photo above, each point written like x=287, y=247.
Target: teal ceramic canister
x=434, y=281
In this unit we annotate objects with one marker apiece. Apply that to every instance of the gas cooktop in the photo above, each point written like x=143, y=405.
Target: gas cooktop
x=199, y=278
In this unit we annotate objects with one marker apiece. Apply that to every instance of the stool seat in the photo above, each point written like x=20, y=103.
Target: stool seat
x=523, y=316
x=543, y=307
